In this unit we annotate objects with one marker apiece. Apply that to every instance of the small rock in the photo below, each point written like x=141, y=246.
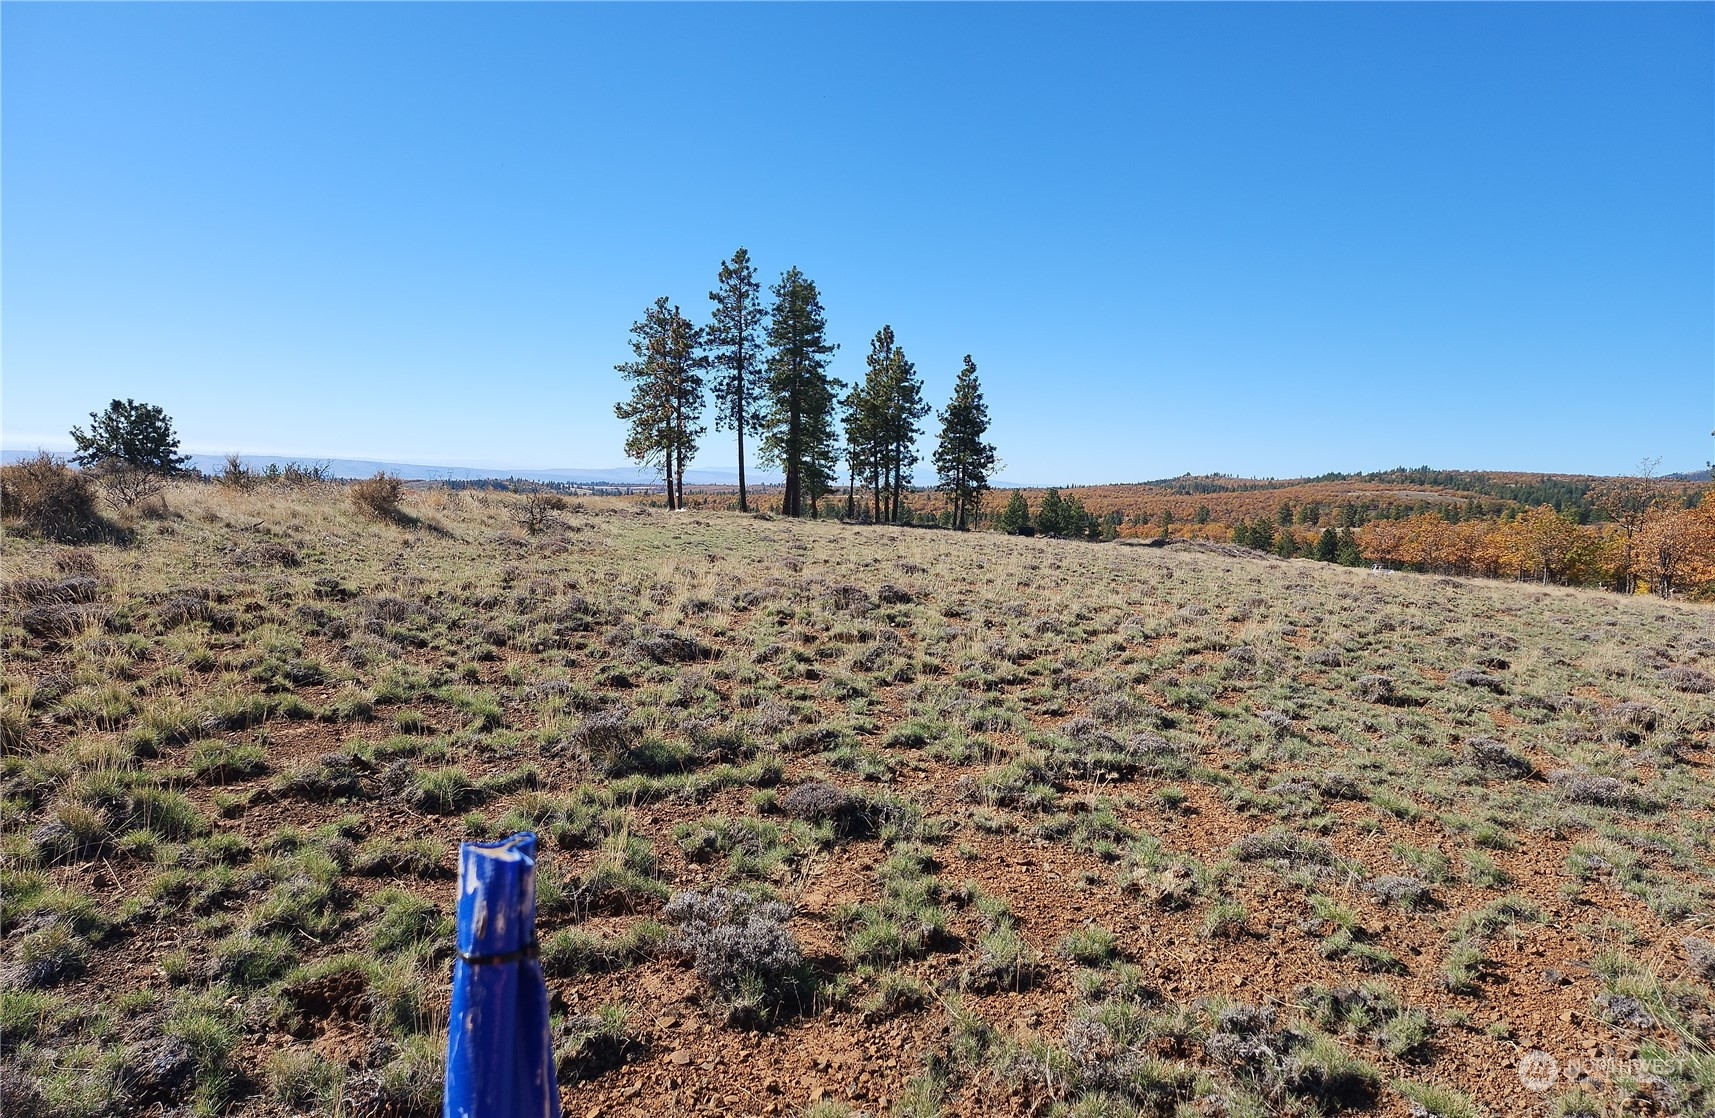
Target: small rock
x=680, y=1056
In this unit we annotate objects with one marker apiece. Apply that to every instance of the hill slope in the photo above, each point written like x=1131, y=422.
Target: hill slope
x=1117, y=828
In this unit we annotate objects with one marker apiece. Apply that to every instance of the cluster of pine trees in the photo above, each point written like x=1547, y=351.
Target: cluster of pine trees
x=1061, y=517
x=766, y=367
x=1330, y=547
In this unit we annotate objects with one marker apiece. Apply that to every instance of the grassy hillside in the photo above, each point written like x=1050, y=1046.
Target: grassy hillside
x=1209, y=506
x=837, y=816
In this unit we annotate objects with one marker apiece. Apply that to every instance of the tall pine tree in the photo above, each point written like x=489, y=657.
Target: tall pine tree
x=859, y=448
x=963, y=461
x=735, y=347
x=1051, y=519
x=800, y=395
x=865, y=418
x=881, y=421
x=905, y=411
x=666, y=402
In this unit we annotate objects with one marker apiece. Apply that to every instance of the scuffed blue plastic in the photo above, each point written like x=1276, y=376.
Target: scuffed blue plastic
x=500, y=1056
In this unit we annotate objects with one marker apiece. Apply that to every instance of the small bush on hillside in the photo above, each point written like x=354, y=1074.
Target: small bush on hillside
x=820, y=802
x=379, y=496
x=51, y=499
x=1470, y=677
x=1376, y=689
x=536, y=509
x=1599, y=791
x=1494, y=757
x=741, y=947
x=1407, y=892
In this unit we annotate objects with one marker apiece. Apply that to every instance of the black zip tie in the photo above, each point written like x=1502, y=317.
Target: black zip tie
x=530, y=950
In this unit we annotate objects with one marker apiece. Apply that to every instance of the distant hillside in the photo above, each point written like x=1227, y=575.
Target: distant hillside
x=1348, y=498
x=1213, y=506
x=409, y=471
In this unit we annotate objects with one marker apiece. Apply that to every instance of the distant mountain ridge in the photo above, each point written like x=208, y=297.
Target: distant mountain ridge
x=1491, y=482
x=413, y=471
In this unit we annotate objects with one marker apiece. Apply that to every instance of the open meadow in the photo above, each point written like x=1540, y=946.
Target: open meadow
x=901, y=821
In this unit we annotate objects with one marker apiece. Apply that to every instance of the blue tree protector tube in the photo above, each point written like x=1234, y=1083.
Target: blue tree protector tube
x=500, y=1056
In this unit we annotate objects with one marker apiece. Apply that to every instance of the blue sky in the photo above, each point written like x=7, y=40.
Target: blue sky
x=1266, y=240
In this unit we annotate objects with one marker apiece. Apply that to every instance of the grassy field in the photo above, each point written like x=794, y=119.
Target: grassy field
x=844, y=818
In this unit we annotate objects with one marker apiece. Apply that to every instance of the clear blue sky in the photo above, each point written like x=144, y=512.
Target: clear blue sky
x=1265, y=240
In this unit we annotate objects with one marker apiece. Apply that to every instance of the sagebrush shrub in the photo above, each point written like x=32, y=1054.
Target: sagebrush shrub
x=740, y=946
x=1493, y=756
x=1599, y=791
x=1376, y=688
x=819, y=802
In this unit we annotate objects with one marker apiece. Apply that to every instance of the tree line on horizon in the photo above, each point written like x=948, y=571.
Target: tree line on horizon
x=765, y=367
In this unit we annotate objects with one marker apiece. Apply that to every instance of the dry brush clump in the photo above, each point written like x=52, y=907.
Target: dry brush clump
x=45, y=496
x=379, y=496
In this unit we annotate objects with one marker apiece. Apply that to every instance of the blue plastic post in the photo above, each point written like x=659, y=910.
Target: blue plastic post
x=500, y=1057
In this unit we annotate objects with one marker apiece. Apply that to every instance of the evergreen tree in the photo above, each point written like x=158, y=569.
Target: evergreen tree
x=1051, y=517
x=800, y=394
x=1242, y=534
x=131, y=449
x=881, y=422
x=1075, y=521
x=735, y=345
x=905, y=411
x=866, y=421
x=1348, y=554
x=822, y=455
x=1328, y=546
x=854, y=419
x=1016, y=518
x=963, y=461
x=129, y=434
x=1262, y=534
x=666, y=399
x=1287, y=545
